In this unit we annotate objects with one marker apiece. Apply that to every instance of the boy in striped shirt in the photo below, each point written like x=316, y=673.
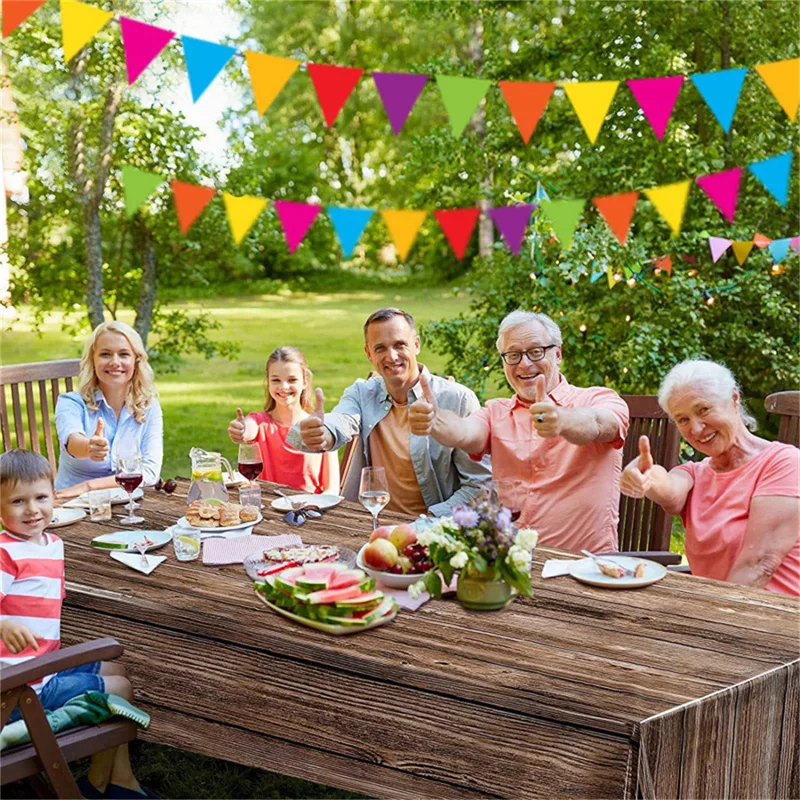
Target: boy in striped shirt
x=31, y=592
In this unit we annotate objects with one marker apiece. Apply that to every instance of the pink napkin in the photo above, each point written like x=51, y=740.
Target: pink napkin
x=403, y=599
x=234, y=551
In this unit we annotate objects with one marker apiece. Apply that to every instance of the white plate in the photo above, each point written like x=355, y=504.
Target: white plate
x=237, y=479
x=587, y=571
x=65, y=516
x=118, y=496
x=183, y=522
x=323, y=501
x=387, y=578
x=125, y=541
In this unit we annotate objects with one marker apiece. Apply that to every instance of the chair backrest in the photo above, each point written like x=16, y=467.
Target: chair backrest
x=644, y=525
x=30, y=392
x=787, y=405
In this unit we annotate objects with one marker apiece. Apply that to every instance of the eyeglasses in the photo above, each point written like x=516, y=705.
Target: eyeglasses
x=513, y=357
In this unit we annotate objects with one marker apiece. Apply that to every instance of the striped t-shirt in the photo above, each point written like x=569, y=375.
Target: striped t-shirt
x=31, y=592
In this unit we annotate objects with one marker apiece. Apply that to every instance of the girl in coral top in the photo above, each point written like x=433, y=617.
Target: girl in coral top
x=288, y=385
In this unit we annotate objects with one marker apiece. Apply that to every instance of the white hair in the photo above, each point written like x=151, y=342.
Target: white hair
x=518, y=319
x=698, y=373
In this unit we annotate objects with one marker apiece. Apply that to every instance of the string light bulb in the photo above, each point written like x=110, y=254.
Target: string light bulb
x=627, y=318
x=532, y=276
x=631, y=282
x=625, y=370
x=777, y=269
x=709, y=298
x=582, y=329
x=691, y=273
x=617, y=277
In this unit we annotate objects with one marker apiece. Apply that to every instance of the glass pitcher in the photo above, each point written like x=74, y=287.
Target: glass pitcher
x=207, y=480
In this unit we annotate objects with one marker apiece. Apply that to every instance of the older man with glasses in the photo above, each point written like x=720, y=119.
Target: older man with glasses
x=564, y=443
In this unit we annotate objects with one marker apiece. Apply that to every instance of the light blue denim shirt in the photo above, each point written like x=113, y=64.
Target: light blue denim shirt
x=72, y=416
x=447, y=477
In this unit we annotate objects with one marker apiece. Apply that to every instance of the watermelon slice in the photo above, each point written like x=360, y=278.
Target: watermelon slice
x=345, y=578
x=333, y=595
x=367, y=600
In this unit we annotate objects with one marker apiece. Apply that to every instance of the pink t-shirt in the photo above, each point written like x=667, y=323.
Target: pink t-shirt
x=572, y=490
x=718, y=507
x=309, y=472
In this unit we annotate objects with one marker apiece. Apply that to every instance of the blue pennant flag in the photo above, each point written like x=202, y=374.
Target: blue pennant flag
x=774, y=174
x=204, y=61
x=541, y=194
x=779, y=248
x=721, y=92
x=349, y=224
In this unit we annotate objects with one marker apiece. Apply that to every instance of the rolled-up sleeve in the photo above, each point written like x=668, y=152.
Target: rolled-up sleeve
x=152, y=445
x=344, y=422
x=69, y=417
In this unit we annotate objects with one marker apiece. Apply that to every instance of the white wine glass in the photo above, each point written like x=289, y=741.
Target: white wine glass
x=373, y=492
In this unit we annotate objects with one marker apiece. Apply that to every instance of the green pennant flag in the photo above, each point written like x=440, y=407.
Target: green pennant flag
x=461, y=97
x=564, y=216
x=138, y=186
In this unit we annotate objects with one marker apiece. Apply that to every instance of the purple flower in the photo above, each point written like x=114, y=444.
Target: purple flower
x=465, y=517
x=503, y=519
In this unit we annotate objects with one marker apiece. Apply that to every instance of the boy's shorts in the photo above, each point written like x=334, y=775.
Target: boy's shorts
x=63, y=686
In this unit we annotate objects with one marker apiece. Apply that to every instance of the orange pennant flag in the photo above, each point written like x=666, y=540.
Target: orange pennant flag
x=665, y=263
x=741, y=250
x=783, y=79
x=761, y=241
x=15, y=12
x=268, y=75
x=527, y=101
x=190, y=200
x=404, y=226
x=617, y=210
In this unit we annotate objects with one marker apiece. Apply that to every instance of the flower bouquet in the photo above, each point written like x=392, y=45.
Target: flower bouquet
x=481, y=542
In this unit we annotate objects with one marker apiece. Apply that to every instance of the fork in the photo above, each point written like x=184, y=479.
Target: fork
x=629, y=572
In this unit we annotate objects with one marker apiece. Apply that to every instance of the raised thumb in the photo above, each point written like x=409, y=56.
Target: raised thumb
x=427, y=392
x=319, y=411
x=98, y=431
x=540, y=393
x=645, y=457
x=239, y=415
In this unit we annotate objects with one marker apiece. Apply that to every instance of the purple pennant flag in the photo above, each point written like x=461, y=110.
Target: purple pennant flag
x=718, y=246
x=296, y=219
x=511, y=221
x=399, y=91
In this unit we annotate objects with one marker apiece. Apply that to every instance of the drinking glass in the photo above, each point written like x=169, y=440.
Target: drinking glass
x=374, y=491
x=99, y=505
x=250, y=461
x=250, y=495
x=186, y=542
x=129, y=476
x=511, y=494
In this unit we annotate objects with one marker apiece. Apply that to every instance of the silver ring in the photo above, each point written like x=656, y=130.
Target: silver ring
x=540, y=417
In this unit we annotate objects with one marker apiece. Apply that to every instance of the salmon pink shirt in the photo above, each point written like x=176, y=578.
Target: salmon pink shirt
x=309, y=472
x=572, y=490
x=718, y=507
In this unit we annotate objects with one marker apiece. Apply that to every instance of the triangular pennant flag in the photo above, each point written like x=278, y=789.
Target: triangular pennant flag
x=242, y=213
x=268, y=75
x=403, y=226
x=527, y=101
x=610, y=276
x=541, y=194
x=79, y=24
x=794, y=243
x=333, y=86
x=457, y=226
x=721, y=92
x=617, y=211
x=718, y=246
x=783, y=80
x=723, y=190
x=190, y=200
x=591, y=101
x=778, y=249
x=773, y=173
x=564, y=216
x=399, y=91
x=656, y=97
x=296, y=219
x=741, y=250
x=670, y=200
x=597, y=272
x=511, y=221
x=761, y=241
x=461, y=97
x=349, y=224
x=664, y=263
x=142, y=43
x=15, y=12
x=204, y=61
x=138, y=185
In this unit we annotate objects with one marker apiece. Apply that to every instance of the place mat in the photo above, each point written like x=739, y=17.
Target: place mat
x=234, y=551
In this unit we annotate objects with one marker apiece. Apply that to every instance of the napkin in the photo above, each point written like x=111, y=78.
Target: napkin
x=234, y=551
x=134, y=561
x=404, y=600
x=555, y=567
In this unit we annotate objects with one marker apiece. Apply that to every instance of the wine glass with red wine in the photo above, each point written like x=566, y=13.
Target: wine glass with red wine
x=511, y=494
x=129, y=476
x=250, y=462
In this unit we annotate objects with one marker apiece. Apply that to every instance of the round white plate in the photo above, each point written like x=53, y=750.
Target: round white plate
x=587, y=571
x=126, y=541
x=323, y=501
x=186, y=524
x=66, y=516
x=118, y=496
x=387, y=578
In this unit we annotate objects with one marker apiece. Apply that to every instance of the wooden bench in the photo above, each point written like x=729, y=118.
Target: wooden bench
x=787, y=405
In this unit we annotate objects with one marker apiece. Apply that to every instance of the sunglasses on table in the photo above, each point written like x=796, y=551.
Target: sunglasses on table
x=298, y=516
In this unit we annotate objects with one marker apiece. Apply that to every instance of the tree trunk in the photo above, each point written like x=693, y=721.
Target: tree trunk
x=702, y=133
x=147, y=288
x=725, y=58
x=94, y=263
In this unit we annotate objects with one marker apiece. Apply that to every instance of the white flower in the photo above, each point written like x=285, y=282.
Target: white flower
x=459, y=560
x=527, y=538
x=519, y=556
x=416, y=589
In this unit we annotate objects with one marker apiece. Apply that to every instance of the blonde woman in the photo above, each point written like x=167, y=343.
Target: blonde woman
x=114, y=411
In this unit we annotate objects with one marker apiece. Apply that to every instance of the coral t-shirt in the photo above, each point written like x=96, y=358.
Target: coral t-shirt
x=309, y=472
x=718, y=507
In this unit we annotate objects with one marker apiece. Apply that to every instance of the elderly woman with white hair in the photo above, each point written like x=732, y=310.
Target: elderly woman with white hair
x=740, y=505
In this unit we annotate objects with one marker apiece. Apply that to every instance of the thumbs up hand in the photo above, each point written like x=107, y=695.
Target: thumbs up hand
x=236, y=428
x=312, y=429
x=98, y=444
x=641, y=475
x=545, y=414
x=422, y=413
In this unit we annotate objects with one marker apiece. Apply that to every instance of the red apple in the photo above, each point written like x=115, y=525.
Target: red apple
x=402, y=536
x=384, y=532
x=380, y=555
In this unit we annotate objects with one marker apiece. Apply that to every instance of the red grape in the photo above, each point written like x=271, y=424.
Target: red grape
x=396, y=569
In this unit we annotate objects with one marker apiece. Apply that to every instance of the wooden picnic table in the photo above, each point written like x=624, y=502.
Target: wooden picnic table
x=688, y=688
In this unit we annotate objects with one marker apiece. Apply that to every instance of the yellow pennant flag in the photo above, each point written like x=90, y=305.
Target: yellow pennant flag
x=591, y=101
x=268, y=74
x=79, y=24
x=670, y=200
x=404, y=226
x=741, y=250
x=610, y=277
x=242, y=213
x=783, y=79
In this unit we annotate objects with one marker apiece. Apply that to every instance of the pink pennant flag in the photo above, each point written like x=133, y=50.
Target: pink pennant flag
x=718, y=246
x=656, y=97
x=723, y=190
x=142, y=43
x=296, y=219
x=794, y=243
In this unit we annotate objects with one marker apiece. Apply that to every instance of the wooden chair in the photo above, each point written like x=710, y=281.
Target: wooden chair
x=787, y=405
x=47, y=751
x=30, y=407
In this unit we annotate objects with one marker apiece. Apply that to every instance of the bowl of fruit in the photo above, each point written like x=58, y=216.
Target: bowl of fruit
x=393, y=556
